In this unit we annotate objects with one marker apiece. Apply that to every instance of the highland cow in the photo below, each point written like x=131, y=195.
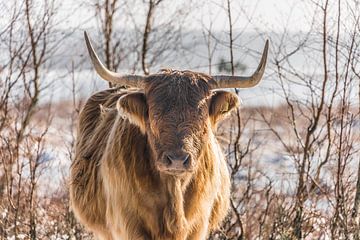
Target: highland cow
x=147, y=163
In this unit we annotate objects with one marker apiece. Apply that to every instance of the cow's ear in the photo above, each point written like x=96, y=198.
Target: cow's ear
x=221, y=104
x=133, y=107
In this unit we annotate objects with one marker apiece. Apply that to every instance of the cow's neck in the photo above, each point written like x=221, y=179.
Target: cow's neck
x=173, y=215
x=177, y=189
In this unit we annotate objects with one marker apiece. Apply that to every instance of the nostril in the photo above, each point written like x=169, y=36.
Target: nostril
x=186, y=160
x=168, y=160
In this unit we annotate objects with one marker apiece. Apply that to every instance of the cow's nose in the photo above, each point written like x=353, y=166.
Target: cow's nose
x=178, y=160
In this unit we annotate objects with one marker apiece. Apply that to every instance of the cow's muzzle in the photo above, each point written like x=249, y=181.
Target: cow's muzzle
x=175, y=163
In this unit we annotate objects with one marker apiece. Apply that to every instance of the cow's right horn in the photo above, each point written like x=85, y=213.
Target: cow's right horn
x=113, y=77
x=222, y=81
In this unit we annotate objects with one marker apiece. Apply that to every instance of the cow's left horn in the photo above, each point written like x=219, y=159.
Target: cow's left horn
x=113, y=77
x=221, y=81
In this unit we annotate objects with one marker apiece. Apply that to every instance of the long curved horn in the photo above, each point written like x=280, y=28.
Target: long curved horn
x=221, y=81
x=128, y=80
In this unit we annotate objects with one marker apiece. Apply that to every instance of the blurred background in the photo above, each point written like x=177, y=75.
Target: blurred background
x=293, y=146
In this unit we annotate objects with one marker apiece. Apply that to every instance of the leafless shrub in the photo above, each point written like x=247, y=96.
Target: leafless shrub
x=294, y=167
x=27, y=45
x=315, y=130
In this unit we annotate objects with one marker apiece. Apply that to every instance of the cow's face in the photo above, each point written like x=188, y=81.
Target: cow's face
x=176, y=112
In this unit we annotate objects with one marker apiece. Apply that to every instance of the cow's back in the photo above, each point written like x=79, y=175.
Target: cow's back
x=95, y=122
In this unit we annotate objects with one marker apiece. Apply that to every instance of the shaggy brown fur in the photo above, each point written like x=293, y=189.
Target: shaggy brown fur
x=120, y=185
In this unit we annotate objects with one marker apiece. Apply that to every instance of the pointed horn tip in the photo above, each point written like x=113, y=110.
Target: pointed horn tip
x=85, y=35
x=264, y=56
x=266, y=47
x=267, y=43
x=87, y=39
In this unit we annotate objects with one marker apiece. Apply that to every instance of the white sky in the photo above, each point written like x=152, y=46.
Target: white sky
x=263, y=15
x=248, y=15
